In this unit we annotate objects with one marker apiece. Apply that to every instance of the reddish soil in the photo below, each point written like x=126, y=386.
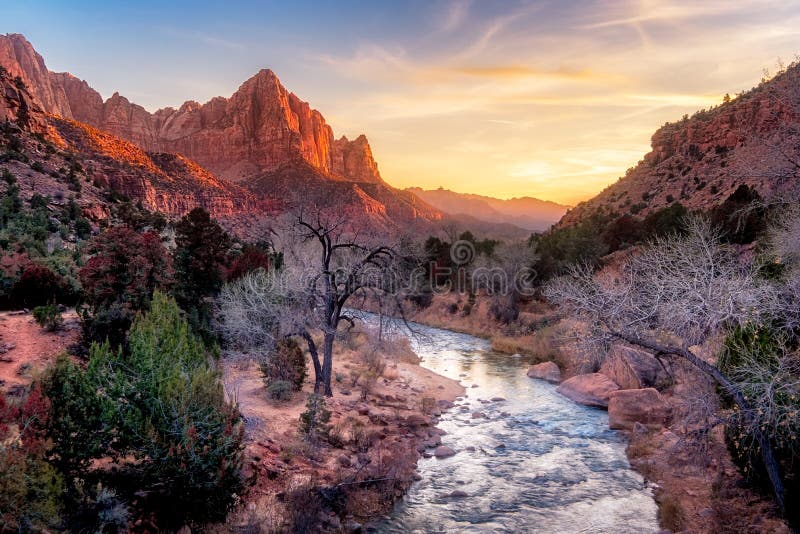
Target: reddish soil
x=26, y=348
x=395, y=421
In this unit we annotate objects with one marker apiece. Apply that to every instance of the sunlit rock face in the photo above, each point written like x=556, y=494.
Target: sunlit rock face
x=20, y=59
x=261, y=127
x=262, y=142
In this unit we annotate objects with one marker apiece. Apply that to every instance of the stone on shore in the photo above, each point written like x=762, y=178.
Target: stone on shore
x=633, y=368
x=545, y=371
x=646, y=406
x=590, y=390
x=443, y=451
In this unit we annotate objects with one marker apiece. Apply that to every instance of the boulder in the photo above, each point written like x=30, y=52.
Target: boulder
x=633, y=368
x=590, y=390
x=443, y=451
x=627, y=407
x=545, y=371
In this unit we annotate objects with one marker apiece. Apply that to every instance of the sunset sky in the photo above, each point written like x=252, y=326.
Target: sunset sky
x=547, y=99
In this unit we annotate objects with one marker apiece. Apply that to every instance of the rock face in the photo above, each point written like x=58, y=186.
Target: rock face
x=701, y=160
x=590, y=390
x=545, y=371
x=263, y=137
x=627, y=407
x=20, y=59
x=633, y=368
x=167, y=183
x=261, y=127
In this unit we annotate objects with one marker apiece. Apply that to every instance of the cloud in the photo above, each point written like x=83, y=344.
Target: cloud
x=454, y=16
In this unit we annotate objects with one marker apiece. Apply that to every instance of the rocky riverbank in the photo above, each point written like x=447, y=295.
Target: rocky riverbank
x=377, y=433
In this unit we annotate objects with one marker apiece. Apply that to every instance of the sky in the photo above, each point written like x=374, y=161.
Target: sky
x=552, y=99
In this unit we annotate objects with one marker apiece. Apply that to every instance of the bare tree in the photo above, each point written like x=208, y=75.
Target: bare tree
x=327, y=263
x=679, y=292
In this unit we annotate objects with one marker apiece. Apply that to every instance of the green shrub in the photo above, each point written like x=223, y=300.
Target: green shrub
x=287, y=363
x=48, y=317
x=170, y=412
x=315, y=421
x=159, y=412
x=280, y=390
x=31, y=489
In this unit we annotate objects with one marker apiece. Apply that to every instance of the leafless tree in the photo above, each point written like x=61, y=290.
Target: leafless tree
x=677, y=293
x=327, y=264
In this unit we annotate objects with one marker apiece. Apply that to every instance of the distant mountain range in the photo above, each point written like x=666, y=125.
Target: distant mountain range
x=524, y=212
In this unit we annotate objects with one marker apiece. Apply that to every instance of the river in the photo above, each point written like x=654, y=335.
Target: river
x=536, y=463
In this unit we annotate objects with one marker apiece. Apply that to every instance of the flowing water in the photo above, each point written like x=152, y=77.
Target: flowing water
x=536, y=463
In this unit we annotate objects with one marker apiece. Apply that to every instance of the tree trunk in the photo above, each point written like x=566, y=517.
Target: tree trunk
x=327, y=363
x=767, y=452
x=312, y=349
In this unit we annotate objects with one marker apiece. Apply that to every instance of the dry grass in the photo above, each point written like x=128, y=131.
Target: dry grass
x=670, y=514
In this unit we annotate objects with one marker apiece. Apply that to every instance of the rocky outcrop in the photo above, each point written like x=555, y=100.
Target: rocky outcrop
x=256, y=138
x=20, y=59
x=646, y=406
x=354, y=161
x=633, y=368
x=701, y=160
x=592, y=389
x=167, y=183
x=548, y=371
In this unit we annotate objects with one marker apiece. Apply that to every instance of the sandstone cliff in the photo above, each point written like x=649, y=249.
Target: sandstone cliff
x=254, y=138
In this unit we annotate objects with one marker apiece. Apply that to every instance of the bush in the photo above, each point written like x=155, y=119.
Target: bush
x=756, y=357
x=125, y=268
x=286, y=364
x=159, y=411
x=280, y=390
x=30, y=488
x=106, y=325
x=172, y=414
x=315, y=421
x=37, y=286
x=252, y=258
x=48, y=317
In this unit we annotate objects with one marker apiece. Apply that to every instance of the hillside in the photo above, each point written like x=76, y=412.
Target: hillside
x=752, y=139
x=263, y=146
x=525, y=212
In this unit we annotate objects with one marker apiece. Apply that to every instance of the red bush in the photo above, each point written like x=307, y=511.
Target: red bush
x=126, y=267
x=252, y=258
x=36, y=286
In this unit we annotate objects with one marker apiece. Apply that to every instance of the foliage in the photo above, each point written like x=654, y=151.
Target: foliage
x=30, y=488
x=170, y=413
x=202, y=249
x=125, y=268
x=280, y=390
x=566, y=246
x=757, y=358
x=109, y=324
x=315, y=421
x=36, y=286
x=252, y=257
x=201, y=253
x=287, y=363
x=48, y=317
x=742, y=216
